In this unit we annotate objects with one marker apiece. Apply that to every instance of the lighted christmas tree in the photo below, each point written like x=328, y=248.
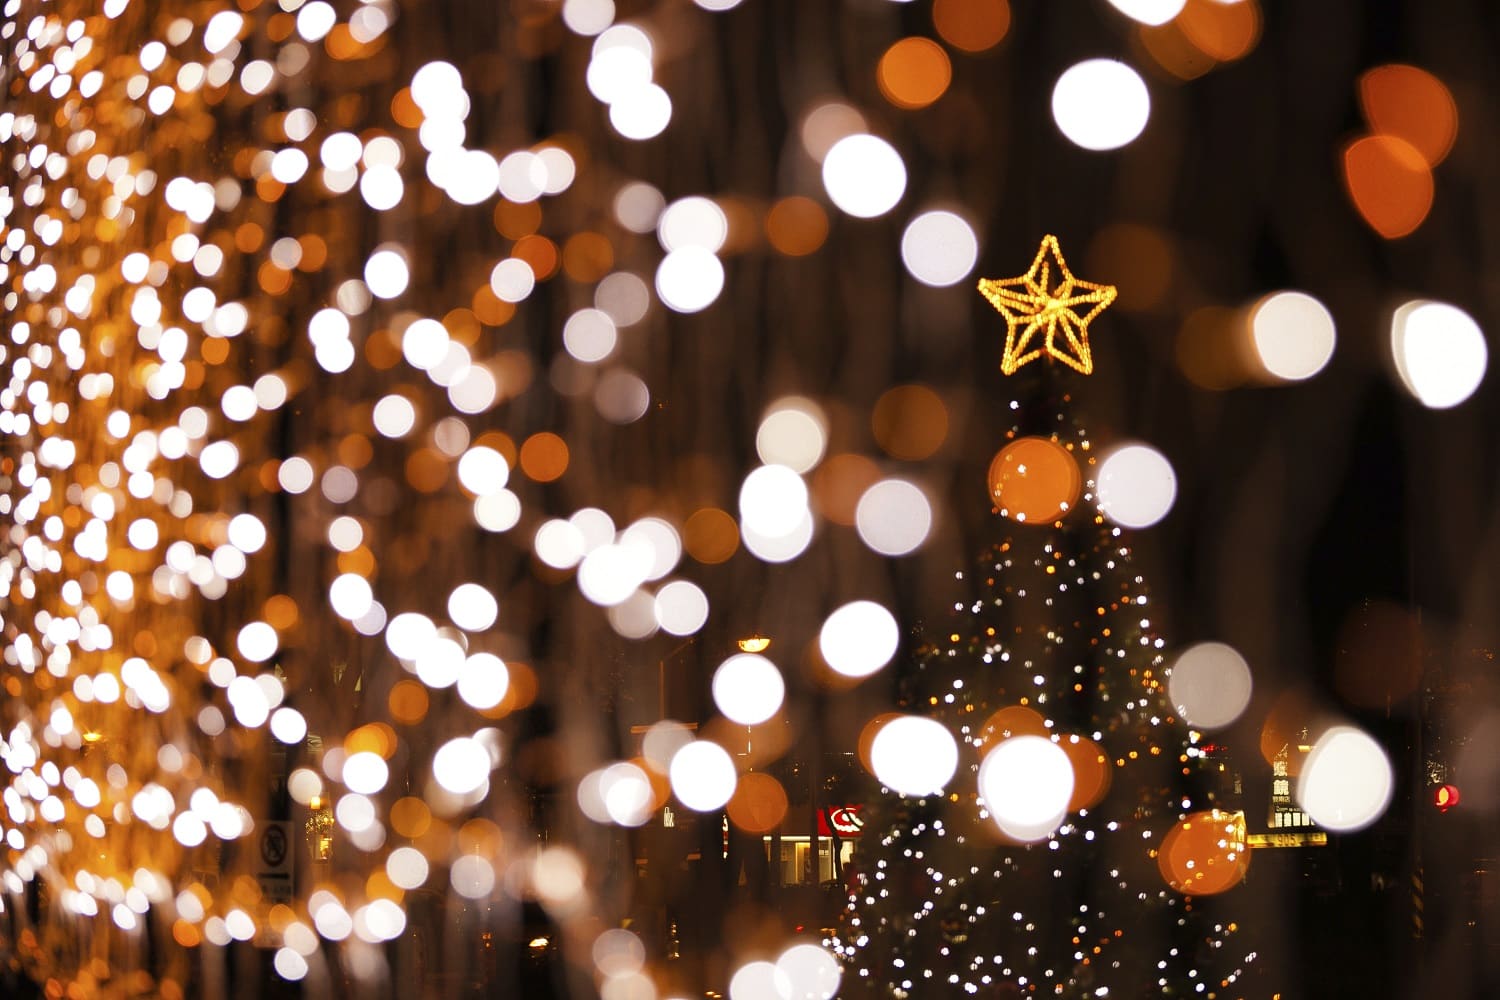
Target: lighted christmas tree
x=1048, y=826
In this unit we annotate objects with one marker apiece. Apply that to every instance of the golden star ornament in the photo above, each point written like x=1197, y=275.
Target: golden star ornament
x=1048, y=300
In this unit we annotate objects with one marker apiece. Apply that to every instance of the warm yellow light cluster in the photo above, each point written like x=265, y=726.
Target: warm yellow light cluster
x=1047, y=311
x=219, y=385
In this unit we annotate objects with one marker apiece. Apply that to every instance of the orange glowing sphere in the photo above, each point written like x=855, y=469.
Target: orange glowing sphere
x=971, y=25
x=1222, y=31
x=1091, y=772
x=759, y=803
x=1411, y=104
x=1205, y=853
x=1389, y=182
x=1034, y=480
x=914, y=72
x=661, y=788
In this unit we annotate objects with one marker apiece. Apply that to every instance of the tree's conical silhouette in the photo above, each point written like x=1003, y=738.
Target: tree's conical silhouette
x=1055, y=640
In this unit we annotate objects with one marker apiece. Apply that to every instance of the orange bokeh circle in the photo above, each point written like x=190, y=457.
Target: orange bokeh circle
x=1205, y=853
x=1034, y=480
x=910, y=422
x=1013, y=720
x=914, y=72
x=1389, y=182
x=1091, y=773
x=758, y=804
x=971, y=25
x=1411, y=104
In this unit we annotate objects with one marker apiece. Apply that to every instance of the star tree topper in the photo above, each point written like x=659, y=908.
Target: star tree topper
x=1032, y=304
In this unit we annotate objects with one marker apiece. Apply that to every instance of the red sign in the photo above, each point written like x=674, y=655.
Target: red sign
x=846, y=820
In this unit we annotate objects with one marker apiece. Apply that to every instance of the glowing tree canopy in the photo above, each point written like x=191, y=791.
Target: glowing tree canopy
x=1072, y=847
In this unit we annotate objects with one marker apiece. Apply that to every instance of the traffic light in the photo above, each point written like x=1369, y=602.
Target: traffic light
x=1446, y=797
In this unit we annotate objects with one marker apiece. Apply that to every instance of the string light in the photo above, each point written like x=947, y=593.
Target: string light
x=281, y=515
x=1034, y=306
x=1055, y=853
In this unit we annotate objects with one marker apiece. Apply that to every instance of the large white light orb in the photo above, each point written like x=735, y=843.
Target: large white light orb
x=1150, y=12
x=914, y=755
x=702, y=775
x=793, y=433
x=689, y=280
x=808, y=972
x=773, y=501
x=1136, y=486
x=748, y=689
x=642, y=113
x=1293, y=334
x=680, y=607
x=893, y=517
x=759, y=980
x=626, y=794
x=1026, y=782
x=1210, y=685
x=859, y=638
x=1439, y=351
x=693, y=222
x=461, y=765
x=939, y=248
x=1100, y=104
x=779, y=548
x=1346, y=780
x=864, y=175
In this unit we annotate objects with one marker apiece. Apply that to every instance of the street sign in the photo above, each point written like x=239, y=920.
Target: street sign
x=1312, y=838
x=274, y=861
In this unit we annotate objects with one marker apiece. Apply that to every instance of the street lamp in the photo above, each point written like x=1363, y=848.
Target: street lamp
x=755, y=643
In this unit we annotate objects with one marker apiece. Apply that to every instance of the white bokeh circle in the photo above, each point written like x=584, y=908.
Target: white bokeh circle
x=1026, y=782
x=914, y=755
x=864, y=175
x=1100, y=104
